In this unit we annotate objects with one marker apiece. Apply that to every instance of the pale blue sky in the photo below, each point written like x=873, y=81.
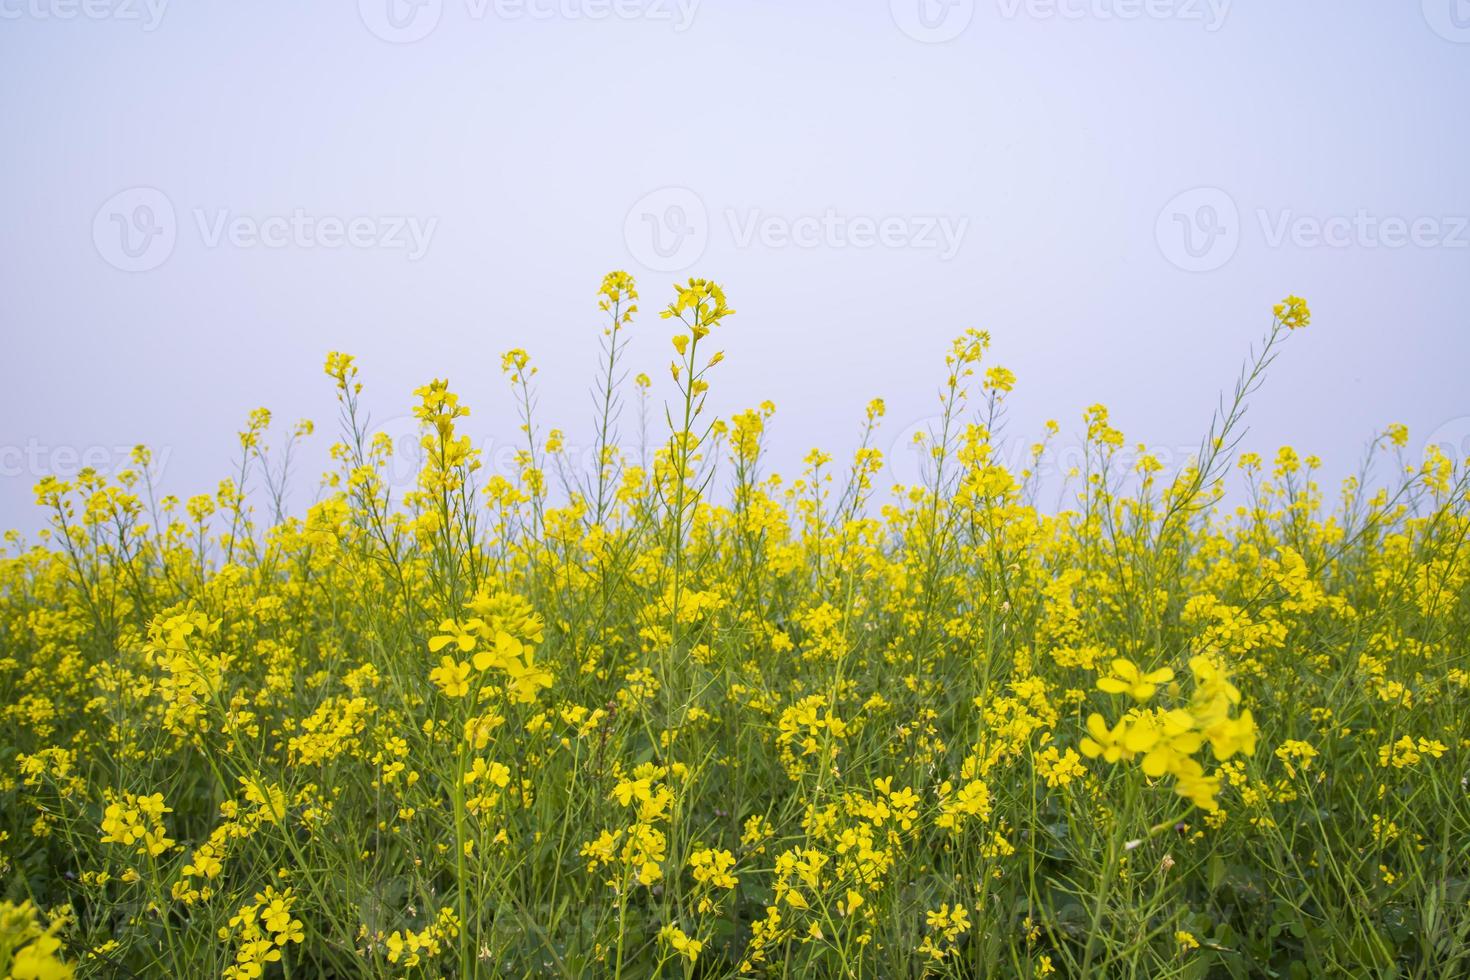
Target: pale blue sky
x=428, y=186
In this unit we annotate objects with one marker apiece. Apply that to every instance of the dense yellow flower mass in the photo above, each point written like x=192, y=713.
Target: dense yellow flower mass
x=655, y=710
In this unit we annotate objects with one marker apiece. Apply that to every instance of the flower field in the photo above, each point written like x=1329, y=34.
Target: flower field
x=674, y=715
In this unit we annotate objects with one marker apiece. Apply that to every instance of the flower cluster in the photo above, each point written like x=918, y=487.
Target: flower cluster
x=1166, y=741
x=260, y=930
x=137, y=822
x=493, y=706
x=498, y=640
x=29, y=949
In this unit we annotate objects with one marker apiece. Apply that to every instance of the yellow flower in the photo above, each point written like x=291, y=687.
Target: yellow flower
x=713, y=867
x=452, y=632
x=40, y=960
x=453, y=677
x=527, y=679
x=680, y=943
x=1059, y=769
x=505, y=652
x=1128, y=679
x=1293, y=313
x=1231, y=735
x=1102, y=740
x=1167, y=740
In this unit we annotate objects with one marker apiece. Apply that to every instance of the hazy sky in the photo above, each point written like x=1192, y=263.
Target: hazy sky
x=200, y=200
